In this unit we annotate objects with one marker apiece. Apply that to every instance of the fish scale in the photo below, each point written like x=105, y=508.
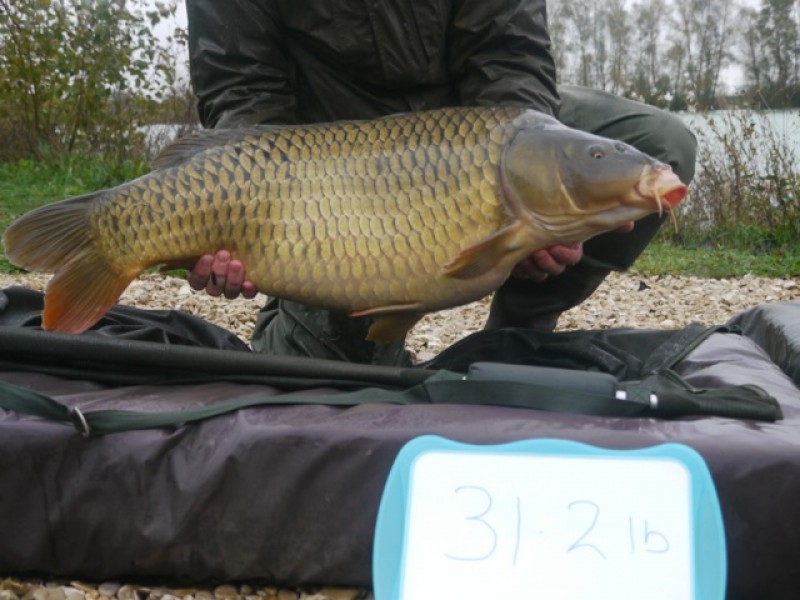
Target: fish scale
x=388, y=218
x=344, y=194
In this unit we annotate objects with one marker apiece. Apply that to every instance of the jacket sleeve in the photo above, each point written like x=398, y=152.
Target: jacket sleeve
x=238, y=65
x=499, y=53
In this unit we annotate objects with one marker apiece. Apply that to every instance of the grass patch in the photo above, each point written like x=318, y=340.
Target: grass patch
x=26, y=184
x=718, y=262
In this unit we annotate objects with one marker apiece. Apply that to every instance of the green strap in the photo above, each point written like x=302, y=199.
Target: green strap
x=27, y=402
x=443, y=388
x=98, y=422
x=674, y=399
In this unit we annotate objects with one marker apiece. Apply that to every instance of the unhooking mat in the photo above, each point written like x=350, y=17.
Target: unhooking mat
x=288, y=493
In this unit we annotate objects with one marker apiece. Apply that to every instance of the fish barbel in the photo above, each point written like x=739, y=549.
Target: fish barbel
x=389, y=218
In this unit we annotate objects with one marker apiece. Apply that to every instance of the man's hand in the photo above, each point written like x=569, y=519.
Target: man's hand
x=219, y=274
x=550, y=261
x=555, y=259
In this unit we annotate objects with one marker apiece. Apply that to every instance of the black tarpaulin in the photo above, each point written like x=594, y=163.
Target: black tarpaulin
x=289, y=494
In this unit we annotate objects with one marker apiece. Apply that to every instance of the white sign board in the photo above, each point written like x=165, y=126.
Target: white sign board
x=503, y=522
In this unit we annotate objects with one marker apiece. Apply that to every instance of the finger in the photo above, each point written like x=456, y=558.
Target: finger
x=219, y=273
x=235, y=279
x=528, y=269
x=626, y=228
x=198, y=276
x=249, y=289
x=567, y=254
x=547, y=263
x=238, y=284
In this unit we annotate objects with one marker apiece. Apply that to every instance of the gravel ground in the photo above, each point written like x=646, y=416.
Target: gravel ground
x=20, y=589
x=624, y=300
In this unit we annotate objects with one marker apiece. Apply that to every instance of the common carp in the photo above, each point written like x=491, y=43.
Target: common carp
x=389, y=218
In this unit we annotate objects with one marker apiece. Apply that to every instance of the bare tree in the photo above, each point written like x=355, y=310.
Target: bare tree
x=557, y=24
x=649, y=80
x=775, y=52
x=754, y=62
x=672, y=52
x=579, y=41
x=619, y=31
x=704, y=28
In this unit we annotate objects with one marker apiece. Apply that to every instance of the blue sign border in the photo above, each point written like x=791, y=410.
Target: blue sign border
x=710, y=557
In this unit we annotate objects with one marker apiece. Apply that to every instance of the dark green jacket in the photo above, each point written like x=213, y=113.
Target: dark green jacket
x=296, y=61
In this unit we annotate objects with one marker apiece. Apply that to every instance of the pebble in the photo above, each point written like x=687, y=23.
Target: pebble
x=127, y=592
x=17, y=589
x=338, y=594
x=108, y=589
x=49, y=593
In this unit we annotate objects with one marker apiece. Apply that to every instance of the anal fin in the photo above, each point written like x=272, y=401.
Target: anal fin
x=392, y=322
x=392, y=309
x=392, y=328
x=81, y=292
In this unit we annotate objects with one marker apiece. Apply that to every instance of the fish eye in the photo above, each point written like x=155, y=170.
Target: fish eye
x=596, y=152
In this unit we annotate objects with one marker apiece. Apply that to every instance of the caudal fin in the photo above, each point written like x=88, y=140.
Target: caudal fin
x=57, y=238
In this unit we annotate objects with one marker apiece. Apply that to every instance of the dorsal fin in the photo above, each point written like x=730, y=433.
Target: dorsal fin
x=183, y=149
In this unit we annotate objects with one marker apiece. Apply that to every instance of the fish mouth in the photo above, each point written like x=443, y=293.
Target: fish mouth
x=661, y=185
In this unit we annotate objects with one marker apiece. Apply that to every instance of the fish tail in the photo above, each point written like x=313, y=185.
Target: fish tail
x=58, y=238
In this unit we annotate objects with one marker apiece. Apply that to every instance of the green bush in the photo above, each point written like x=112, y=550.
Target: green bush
x=27, y=183
x=78, y=76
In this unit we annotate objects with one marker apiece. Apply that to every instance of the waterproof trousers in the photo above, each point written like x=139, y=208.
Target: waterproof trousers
x=290, y=328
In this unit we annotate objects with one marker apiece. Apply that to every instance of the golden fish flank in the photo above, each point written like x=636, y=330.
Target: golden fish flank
x=390, y=218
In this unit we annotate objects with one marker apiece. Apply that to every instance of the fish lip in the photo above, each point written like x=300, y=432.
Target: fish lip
x=659, y=183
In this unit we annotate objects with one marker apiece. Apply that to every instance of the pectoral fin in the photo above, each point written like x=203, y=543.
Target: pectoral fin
x=483, y=256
